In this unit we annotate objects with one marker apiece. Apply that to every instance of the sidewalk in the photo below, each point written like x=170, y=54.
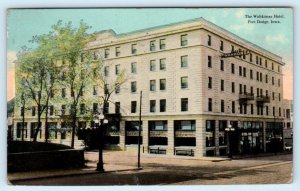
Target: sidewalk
x=89, y=169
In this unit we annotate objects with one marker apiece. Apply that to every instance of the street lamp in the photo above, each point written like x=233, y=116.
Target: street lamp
x=229, y=129
x=100, y=121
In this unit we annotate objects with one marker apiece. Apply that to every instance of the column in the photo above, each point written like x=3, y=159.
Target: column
x=171, y=143
x=145, y=134
x=217, y=149
x=28, y=131
x=42, y=131
x=15, y=131
x=122, y=135
x=200, y=138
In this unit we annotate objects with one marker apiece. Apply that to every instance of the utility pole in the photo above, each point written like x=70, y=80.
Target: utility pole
x=140, y=126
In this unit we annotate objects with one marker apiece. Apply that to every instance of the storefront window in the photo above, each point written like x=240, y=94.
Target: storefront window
x=210, y=133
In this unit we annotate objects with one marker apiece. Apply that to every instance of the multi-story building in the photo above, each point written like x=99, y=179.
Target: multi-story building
x=192, y=90
x=288, y=122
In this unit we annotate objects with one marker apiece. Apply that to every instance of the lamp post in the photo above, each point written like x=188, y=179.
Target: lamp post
x=100, y=121
x=229, y=129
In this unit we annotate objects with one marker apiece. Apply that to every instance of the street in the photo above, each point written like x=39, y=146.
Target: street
x=184, y=171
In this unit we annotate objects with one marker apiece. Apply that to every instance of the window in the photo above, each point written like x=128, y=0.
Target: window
x=133, y=106
x=232, y=68
x=244, y=72
x=221, y=45
x=106, y=53
x=245, y=89
x=210, y=133
x=251, y=74
x=267, y=110
x=106, y=71
x=241, y=88
x=162, y=44
x=232, y=48
x=106, y=108
x=94, y=90
x=117, y=88
x=209, y=104
x=257, y=76
x=152, y=85
x=51, y=110
x=185, y=125
x=184, y=61
x=233, y=106
x=133, y=87
x=152, y=65
x=278, y=68
x=152, y=45
x=63, y=109
x=162, y=105
x=232, y=87
x=133, y=67
x=273, y=95
x=117, y=69
x=273, y=81
x=158, y=125
x=279, y=110
x=33, y=111
x=260, y=62
x=162, y=64
x=222, y=65
x=279, y=97
x=152, y=105
x=208, y=40
x=260, y=75
x=133, y=49
x=272, y=66
x=209, y=61
x=273, y=111
x=63, y=92
x=162, y=84
x=118, y=51
x=251, y=109
x=251, y=90
x=222, y=85
x=117, y=107
x=256, y=59
x=184, y=104
x=183, y=40
x=266, y=78
x=240, y=71
x=222, y=105
x=184, y=82
x=95, y=108
x=209, y=82
x=82, y=109
x=266, y=63
x=278, y=82
x=250, y=57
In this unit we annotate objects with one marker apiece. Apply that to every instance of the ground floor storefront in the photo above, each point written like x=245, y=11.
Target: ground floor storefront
x=193, y=135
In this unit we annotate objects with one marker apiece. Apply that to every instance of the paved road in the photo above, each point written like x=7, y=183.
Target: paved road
x=162, y=171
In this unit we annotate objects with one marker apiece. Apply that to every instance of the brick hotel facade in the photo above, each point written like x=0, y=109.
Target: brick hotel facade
x=190, y=93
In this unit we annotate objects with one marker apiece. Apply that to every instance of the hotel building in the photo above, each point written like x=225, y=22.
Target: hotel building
x=191, y=94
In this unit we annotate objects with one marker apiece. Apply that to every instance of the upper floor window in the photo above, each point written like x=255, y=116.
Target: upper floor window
x=222, y=105
x=184, y=61
x=222, y=85
x=208, y=40
x=152, y=105
x=279, y=82
x=209, y=104
x=117, y=88
x=106, y=71
x=162, y=84
x=51, y=110
x=133, y=106
x=260, y=61
x=106, y=53
x=184, y=82
x=184, y=104
x=117, y=69
x=221, y=45
x=22, y=111
x=266, y=63
x=33, y=111
x=162, y=105
x=272, y=66
x=222, y=65
x=251, y=74
x=152, y=85
x=240, y=71
x=209, y=64
x=162, y=44
x=133, y=67
x=117, y=107
x=82, y=108
x=209, y=82
x=152, y=45
x=162, y=64
x=133, y=87
x=118, y=51
x=250, y=57
x=183, y=40
x=244, y=72
x=256, y=59
x=133, y=49
x=232, y=68
x=232, y=48
x=152, y=65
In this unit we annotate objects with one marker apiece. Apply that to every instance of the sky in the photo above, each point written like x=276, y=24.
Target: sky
x=277, y=38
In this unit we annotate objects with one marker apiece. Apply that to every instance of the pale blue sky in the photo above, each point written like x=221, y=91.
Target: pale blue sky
x=22, y=24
